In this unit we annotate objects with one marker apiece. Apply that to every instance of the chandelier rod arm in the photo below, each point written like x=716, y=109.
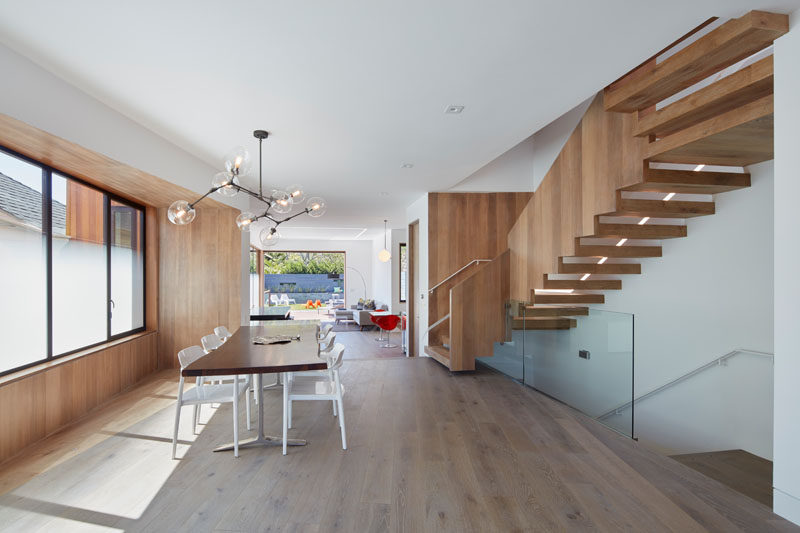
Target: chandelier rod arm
x=260, y=180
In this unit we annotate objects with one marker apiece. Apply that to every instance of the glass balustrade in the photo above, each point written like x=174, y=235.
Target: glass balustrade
x=585, y=361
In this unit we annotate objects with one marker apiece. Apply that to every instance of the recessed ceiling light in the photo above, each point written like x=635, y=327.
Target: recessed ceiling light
x=454, y=109
x=407, y=165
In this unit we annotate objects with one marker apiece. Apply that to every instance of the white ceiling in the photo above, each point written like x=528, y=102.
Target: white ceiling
x=351, y=90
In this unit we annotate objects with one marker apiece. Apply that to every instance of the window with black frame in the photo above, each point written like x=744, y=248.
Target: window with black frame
x=403, y=271
x=72, y=261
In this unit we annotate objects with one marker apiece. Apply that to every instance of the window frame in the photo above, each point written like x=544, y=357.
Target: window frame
x=47, y=235
x=403, y=294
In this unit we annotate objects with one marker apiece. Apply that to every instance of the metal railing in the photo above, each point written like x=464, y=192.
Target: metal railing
x=474, y=261
x=445, y=317
x=719, y=361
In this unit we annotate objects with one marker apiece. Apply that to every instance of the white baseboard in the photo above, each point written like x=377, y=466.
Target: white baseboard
x=786, y=505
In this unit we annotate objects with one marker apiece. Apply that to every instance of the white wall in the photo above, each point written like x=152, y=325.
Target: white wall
x=523, y=167
x=710, y=293
x=418, y=211
x=381, y=272
x=786, y=472
x=35, y=96
x=358, y=255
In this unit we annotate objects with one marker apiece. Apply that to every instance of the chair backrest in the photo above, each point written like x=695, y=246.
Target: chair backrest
x=336, y=355
x=327, y=344
x=284, y=298
x=273, y=298
x=324, y=332
x=222, y=332
x=210, y=342
x=189, y=355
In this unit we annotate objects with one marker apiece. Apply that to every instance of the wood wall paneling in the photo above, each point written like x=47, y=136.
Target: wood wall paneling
x=199, y=286
x=477, y=307
x=92, y=167
x=463, y=227
x=39, y=404
x=600, y=156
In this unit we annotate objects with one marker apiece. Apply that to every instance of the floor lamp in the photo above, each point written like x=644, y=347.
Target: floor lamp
x=362, y=280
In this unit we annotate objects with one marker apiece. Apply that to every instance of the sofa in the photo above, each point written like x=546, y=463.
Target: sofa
x=362, y=316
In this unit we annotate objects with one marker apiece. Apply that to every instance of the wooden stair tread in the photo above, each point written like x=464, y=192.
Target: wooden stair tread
x=638, y=231
x=539, y=323
x=567, y=298
x=439, y=353
x=741, y=137
x=628, y=207
x=552, y=310
x=611, y=250
x=594, y=268
x=720, y=48
x=589, y=284
x=742, y=87
x=690, y=181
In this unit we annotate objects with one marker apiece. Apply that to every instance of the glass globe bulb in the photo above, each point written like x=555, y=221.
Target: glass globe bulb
x=384, y=256
x=244, y=220
x=316, y=206
x=237, y=161
x=269, y=237
x=297, y=193
x=223, y=182
x=282, y=202
x=180, y=212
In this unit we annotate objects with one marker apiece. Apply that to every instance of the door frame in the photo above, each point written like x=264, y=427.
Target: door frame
x=411, y=297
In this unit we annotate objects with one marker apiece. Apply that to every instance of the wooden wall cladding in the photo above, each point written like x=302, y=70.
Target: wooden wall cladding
x=600, y=156
x=40, y=404
x=99, y=170
x=477, y=307
x=463, y=227
x=199, y=280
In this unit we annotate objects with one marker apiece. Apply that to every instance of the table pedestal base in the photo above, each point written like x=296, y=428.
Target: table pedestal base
x=261, y=439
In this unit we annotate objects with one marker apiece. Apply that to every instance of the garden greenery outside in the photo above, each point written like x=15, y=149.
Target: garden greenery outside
x=301, y=275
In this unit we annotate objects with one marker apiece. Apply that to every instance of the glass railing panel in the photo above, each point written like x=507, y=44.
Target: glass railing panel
x=588, y=366
x=507, y=356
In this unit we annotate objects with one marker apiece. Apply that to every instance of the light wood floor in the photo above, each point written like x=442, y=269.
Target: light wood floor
x=428, y=451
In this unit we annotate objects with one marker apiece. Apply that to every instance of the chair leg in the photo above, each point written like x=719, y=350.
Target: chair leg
x=247, y=407
x=195, y=418
x=175, y=432
x=290, y=414
x=235, y=418
x=285, y=407
x=341, y=422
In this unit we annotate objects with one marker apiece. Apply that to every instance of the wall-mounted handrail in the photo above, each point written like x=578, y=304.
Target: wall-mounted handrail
x=474, y=261
x=716, y=362
x=445, y=317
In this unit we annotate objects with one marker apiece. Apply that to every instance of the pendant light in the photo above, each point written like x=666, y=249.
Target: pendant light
x=384, y=255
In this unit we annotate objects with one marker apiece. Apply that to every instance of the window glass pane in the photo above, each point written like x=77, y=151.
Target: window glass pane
x=403, y=270
x=80, y=293
x=23, y=298
x=127, y=268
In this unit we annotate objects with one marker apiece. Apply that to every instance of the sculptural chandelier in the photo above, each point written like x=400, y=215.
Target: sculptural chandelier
x=279, y=202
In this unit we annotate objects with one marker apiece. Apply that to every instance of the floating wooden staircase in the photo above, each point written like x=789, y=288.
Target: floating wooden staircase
x=727, y=121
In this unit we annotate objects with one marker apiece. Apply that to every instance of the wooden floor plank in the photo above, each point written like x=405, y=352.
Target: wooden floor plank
x=427, y=451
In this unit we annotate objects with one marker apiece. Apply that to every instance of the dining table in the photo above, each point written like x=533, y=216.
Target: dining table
x=240, y=356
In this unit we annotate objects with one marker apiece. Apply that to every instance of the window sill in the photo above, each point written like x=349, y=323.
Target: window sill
x=43, y=367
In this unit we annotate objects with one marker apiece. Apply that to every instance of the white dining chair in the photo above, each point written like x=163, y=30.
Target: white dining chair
x=211, y=342
x=316, y=387
x=324, y=332
x=223, y=333
x=203, y=393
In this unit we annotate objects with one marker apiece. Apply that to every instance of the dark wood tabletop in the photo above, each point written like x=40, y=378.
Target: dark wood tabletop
x=240, y=356
x=279, y=312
